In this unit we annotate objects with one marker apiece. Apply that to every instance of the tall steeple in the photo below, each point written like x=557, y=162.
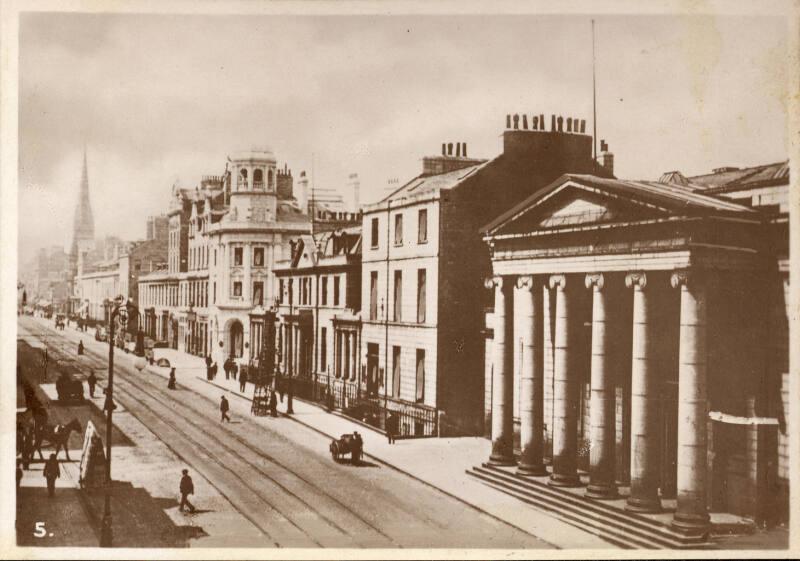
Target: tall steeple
x=83, y=226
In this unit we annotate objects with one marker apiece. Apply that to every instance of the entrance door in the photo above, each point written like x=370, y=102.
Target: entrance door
x=237, y=339
x=372, y=368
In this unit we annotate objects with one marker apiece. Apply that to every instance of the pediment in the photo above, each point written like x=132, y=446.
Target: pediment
x=573, y=205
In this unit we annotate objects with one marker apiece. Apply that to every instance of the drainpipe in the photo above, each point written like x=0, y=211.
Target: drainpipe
x=386, y=320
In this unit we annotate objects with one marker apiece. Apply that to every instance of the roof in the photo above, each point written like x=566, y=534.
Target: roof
x=667, y=196
x=432, y=184
x=729, y=179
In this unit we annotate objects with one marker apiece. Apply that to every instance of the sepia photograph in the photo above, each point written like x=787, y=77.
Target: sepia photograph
x=388, y=279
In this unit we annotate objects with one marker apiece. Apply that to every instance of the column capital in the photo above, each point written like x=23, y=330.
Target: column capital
x=559, y=281
x=596, y=281
x=494, y=282
x=634, y=280
x=686, y=277
x=525, y=282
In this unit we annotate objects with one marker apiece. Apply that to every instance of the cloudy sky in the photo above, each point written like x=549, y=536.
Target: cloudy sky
x=159, y=98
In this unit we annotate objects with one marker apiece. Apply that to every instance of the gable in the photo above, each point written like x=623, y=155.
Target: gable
x=576, y=205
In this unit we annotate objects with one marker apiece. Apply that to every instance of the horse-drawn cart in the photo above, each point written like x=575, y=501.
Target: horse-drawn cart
x=348, y=444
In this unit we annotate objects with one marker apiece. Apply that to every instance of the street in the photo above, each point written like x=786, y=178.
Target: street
x=281, y=477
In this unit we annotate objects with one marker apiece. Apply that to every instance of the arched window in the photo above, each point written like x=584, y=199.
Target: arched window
x=270, y=180
x=242, y=183
x=258, y=179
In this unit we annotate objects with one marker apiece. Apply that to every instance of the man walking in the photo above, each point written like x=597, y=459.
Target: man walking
x=51, y=473
x=391, y=427
x=273, y=404
x=224, y=407
x=92, y=381
x=208, y=367
x=227, y=367
x=242, y=381
x=187, y=488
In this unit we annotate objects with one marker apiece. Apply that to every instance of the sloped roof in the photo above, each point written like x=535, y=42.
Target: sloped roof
x=731, y=179
x=670, y=197
x=429, y=184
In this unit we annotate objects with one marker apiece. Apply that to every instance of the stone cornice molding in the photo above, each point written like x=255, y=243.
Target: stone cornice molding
x=636, y=280
x=595, y=281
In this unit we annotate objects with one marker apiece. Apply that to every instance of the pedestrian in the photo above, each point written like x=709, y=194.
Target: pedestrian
x=391, y=427
x=51, y=473
x=19, y=474
x=208, y=368
x=187, y=488
x=358, y=447
x=173, y=383
x=243, y=380
x=224, y=407
x=80, y=347
x=227, y=367
x=273, y=404
x=92, y=381
x=234, y=369
x=214, y=370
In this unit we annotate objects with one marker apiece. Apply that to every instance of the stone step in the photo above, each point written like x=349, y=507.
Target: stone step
x=615, y=525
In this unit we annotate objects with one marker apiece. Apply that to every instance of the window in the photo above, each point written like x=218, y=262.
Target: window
x=336, y=290
x=238, y=253
x=323, y=349
x=324, y=291
x=291, y=291
x=374, y=236
x=398, y=229
x=237, y=288
x=420, y=393
x=258, y=293
x=421, y=296
x=398, y=295
x=422, y=226
x=373, y=295
x=280, y=291
x=395, y=371
x=215, y=257
x=258, y=256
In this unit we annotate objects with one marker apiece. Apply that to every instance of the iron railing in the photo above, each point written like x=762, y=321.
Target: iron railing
x=414, y=420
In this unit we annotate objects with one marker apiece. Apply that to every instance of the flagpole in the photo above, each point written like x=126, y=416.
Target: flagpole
x=594, y=99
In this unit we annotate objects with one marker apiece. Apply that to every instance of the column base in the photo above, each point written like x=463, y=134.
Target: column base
x=501, y=460
x=564, y=480
x=636, y=504
x=692, y=524
x=531, y=469
x=601, y=491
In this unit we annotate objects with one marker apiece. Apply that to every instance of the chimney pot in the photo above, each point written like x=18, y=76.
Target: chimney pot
x=449, y=148
x=583, y=126
x=444, y=149
x=464, y=150
x=525, y=122
x=541, y=121
x=560, y=122
x=535, y=122
x=516, y=121
x=458, y=149
x=508, y=121
x=569, y=124
x=553, y=123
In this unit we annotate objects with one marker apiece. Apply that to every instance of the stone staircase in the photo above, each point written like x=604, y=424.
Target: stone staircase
x=605, y=519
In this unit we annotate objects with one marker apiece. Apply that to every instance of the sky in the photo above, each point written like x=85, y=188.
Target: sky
x=160, y=99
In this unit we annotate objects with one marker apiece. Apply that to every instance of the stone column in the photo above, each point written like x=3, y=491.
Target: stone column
x=644, y=404
x=502, y=381
x=529, y=302
x=565, y=396
x=691, y=514
x=603, y=404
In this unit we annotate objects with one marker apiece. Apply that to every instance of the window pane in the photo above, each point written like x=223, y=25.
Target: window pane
x=373, y=295
x=421, y=295
x=374, y=235
x=396, y=371
x=398, y=295
x=420, y=394
x=423, y=225
x=398, y=229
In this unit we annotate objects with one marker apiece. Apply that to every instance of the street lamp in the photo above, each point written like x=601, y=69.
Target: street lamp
x=119, y=311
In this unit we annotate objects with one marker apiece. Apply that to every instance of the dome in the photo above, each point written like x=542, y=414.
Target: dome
x=258, y=154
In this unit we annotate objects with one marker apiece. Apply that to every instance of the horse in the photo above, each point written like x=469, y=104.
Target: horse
x=57, y=435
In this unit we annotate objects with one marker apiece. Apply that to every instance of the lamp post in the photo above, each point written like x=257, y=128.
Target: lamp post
x=120, y=310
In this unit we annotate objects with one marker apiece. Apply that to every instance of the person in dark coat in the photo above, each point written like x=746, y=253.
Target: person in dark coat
x=213, y=370
x=273, y=404
x=92, y=381
x=242, y=380
x=80, y=347
x=19, y=473
x=208, y=368
x=234, y=368
x=173, y=383
x=51, y=473
x=187, y=488
x=227, y=367
x=391, y=427
x=224, y=408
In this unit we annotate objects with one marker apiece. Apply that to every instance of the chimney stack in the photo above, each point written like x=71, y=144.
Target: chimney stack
x=569, y=124
x=606, y=157
x=516, y=122
x=508, y=121
x=444, y=149
x=525, y=121
x=464, y=150
x=553, y=123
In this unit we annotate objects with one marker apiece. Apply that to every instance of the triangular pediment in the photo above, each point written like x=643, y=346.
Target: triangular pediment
x=573, y=205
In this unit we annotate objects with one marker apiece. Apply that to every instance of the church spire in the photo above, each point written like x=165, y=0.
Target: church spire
x=83, y=226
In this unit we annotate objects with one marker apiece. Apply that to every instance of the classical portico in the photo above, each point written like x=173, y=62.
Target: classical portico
x=601, y=293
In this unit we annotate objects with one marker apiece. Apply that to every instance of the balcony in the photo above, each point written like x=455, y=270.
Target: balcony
x=258, y=185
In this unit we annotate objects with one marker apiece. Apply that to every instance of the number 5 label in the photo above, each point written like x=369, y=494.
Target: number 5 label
x=39, y=531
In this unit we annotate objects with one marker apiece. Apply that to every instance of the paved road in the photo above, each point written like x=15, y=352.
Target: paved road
x=283, y=480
